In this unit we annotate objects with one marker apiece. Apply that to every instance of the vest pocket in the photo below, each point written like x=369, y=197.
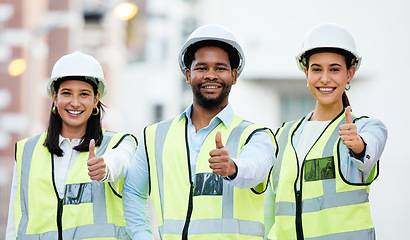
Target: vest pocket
x=208, y=184
x=78, y=193
x=319, y=169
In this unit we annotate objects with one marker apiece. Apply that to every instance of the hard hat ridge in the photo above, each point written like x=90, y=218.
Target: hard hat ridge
x=78, y=65
x=211, y=32
x=328, y=36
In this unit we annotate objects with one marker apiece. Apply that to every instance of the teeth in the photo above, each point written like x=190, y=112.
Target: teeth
x=74, y=112
x=326, y=89
x=211, y=87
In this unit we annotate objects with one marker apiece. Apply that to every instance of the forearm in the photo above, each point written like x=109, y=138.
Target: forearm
x=119, y=159
x=374, y=135
x=135, y=196
x=255, y=161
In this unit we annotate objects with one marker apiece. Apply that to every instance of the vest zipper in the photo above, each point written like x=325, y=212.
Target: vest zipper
x=60, y=203
x=191, y=190
x=298, y=198
x=298, y=221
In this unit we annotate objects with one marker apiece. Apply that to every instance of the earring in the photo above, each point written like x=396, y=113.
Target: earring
x=348, y=86
x=307, y=86
x=55, y=111
x=97, y=112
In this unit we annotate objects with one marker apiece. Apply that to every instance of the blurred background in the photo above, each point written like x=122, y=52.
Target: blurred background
x=138, y=41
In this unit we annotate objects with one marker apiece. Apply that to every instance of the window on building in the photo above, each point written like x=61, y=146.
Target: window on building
x=294, y=106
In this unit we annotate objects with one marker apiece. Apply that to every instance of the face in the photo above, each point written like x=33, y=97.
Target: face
x=327, y=77
x=75, y=101
x=211, y=77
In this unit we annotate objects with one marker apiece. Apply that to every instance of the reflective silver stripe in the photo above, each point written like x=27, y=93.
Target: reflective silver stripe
x=99, y=204
x=25, y=171
x=160, y=135
x=367, y=234
x=232, y=145
x=219, y=226
x=81, y=232
x=100, y=228
x=282, y=141
x=107, y=136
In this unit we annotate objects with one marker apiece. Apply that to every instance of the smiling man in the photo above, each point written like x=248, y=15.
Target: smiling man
x=205, y=170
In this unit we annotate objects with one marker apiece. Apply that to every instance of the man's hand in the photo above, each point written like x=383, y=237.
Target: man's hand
x=96, y=164
x=348, y=134
x=220, y=162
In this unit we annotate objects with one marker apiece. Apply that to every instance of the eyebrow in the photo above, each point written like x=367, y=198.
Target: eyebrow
x=218, y=64
x=332, y=65
x=81, y=90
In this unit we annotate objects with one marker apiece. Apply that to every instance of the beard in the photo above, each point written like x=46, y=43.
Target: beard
x=211, y=102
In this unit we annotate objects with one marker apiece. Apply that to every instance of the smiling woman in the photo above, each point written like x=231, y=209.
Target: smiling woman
x=82, y=155
x=329, y=156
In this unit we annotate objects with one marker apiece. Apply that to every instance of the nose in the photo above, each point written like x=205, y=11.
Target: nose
x=211, y=74
x=325, y=78
x=75, y=102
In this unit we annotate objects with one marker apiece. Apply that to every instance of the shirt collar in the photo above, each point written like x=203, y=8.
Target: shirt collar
x=74, y=141
x=225, y=115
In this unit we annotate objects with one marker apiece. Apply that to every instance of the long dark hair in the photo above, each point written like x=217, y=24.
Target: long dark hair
x=349, y=59
x=93, y=131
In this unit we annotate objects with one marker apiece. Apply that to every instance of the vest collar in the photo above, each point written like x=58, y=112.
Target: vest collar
x=225, y=115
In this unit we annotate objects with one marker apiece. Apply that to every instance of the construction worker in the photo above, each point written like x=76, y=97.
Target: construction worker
x=67, y=182
x=327, y=159
x=204, y=169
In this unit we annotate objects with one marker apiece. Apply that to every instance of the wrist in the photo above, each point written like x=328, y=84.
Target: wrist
x=233, y=176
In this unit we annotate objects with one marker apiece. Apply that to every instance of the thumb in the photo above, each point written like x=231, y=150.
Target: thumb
x=348, y=115
x=91, y=147
x=218, y=140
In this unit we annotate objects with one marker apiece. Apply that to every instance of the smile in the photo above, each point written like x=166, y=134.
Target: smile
x=211, y=87
x=74, y=112
x=326, y=89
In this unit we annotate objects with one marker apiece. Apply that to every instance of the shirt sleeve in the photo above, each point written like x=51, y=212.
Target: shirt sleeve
x=255, y=161
x=119, y=159
x=11, y=225
x=135, y=197
x=374, y=134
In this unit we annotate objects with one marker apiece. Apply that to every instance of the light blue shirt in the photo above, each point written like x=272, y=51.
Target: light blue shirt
x=254, y=162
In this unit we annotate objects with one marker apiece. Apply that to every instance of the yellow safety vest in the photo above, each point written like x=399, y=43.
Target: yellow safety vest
x=327, y=206
x=210, y=208
x=89, y=210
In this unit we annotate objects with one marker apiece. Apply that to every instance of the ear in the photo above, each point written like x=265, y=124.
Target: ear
x=350, y=73
x=306, y=72
x=188, y=76
x=96, y=99
x=234, y=76
x=54, y=97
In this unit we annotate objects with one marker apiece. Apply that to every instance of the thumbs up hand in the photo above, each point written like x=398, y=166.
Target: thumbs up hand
x=220, y=162
x=96, y=164
x=348, y=134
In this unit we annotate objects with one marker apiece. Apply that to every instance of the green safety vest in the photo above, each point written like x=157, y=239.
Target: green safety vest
x=210, y=208
x=89, y=210
x=327, y=206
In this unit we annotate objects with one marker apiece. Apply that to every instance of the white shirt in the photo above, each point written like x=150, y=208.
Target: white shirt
x=310, y=133
x=117, y=162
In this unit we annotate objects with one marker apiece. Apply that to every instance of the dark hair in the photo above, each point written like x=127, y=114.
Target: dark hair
x=350, y=60
x=189, y=55
x=93, y=131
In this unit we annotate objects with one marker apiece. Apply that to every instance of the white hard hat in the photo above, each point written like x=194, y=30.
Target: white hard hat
x=212, y=32
x=78, y=64
x=328, y=35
